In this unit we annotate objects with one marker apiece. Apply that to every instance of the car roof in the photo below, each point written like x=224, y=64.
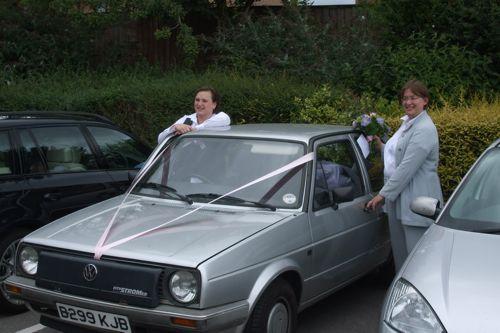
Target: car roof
x=12, y=119
x=291, y=132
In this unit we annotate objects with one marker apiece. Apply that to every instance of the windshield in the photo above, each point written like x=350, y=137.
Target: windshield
x=200, y=169
x=476, y=205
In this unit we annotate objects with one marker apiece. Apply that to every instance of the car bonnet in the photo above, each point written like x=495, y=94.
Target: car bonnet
x=185, y=242
x=458, y=273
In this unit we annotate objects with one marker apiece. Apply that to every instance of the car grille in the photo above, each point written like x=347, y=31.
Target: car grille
x=119, y=282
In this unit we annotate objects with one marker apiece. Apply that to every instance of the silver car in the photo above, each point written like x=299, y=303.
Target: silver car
x=449, y=283
x=222, y=231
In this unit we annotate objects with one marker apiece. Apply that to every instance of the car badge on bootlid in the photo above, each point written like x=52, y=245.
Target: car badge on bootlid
x=89, y=272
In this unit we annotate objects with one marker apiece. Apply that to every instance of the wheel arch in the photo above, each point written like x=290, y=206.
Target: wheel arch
x=287, y=270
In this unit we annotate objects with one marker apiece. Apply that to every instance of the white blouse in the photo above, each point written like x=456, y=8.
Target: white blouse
x=216, y=120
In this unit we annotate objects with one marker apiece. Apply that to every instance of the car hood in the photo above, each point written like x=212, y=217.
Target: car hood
x=185, y=242
x=458, y=272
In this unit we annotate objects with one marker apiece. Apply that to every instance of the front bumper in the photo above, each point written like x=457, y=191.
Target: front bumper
x=226, y=318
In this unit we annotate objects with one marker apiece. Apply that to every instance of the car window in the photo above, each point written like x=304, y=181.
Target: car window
x=6, y=162
x=476, y=206
x=64, y=149
x=337, y=175
x=119, y=149
x=205, y=167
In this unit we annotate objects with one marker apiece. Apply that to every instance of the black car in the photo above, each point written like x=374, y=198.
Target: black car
x=52, y=164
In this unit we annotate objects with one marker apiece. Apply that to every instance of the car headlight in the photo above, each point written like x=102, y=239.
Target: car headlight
x=183, y=286
x=408, y=311
x=28, y=260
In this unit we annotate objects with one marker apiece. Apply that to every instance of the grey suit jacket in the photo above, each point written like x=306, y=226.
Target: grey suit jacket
x=417, y=157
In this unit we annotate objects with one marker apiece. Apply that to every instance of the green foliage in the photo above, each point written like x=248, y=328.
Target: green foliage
x=287, y=42
x=340, y=106
x=38, y=36
x=145, y=100
x=448, y=69
x=464, y=132
x=465, y=127
x=469, y=24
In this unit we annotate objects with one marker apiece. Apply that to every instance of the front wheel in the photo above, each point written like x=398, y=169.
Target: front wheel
x=8, y=247
x=276, y=310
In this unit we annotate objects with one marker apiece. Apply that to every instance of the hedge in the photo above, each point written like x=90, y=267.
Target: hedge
x=144, y=101
x=465, y=129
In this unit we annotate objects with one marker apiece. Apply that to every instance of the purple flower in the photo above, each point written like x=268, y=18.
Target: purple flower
x=380, y=121
x=354, y=123
x=365, y=121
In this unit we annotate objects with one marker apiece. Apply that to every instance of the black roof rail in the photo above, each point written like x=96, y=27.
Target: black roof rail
x=53, y=114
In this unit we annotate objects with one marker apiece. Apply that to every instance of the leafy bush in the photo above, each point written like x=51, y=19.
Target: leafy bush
x=340, y=106
x=465, y=127
x=285, y=42
x=449, y=70
x=469, y=24
x=145, y=100
x=464, y=132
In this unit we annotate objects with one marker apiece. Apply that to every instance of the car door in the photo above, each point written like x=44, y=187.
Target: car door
x=62, y=170
x=344, y=234
x=122, y=155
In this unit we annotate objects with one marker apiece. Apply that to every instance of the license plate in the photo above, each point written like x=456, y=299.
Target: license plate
x=93, y=318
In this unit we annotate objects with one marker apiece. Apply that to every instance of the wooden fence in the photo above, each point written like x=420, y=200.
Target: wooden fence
x=140, y=36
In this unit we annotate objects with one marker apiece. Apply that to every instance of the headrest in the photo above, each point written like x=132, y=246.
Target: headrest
x=63, y=155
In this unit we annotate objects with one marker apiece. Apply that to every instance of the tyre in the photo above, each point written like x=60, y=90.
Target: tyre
x=276, y=310
x=8, y=247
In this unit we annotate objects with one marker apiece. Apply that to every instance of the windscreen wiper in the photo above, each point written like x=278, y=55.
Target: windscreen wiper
x=232, y=199
x=167, y=190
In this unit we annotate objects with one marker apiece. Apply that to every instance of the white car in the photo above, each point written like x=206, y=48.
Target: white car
x=449, y=283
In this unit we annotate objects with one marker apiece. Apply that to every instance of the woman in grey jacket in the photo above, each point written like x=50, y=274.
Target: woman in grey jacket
x=411, y=158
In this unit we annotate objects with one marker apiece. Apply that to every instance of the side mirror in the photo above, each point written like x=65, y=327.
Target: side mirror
x=425, y=206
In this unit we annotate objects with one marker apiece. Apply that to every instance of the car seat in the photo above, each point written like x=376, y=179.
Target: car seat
x=64, y=159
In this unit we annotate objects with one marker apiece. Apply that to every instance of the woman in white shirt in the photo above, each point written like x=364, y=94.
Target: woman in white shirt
x=206, y=115
x=411, y=159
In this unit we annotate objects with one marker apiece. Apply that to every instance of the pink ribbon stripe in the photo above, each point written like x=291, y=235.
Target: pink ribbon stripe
x=101, y=248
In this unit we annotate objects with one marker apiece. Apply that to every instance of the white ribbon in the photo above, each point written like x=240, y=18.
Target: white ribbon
x=101, y=248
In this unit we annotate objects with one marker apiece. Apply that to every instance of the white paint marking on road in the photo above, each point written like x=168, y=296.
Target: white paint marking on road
x=32, y=329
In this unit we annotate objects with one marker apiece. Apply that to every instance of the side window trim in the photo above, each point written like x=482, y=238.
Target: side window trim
x=13, y=155
x=94, y=147
x=38, y=150
x=361, y=160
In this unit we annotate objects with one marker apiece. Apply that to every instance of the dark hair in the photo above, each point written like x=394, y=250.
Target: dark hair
x=215, y=96
x=416, y=87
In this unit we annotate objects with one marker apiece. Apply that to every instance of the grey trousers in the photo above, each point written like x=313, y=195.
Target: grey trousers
x=403, y=237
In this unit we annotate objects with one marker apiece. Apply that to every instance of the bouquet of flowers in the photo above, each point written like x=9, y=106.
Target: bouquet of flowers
x=370, y=125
